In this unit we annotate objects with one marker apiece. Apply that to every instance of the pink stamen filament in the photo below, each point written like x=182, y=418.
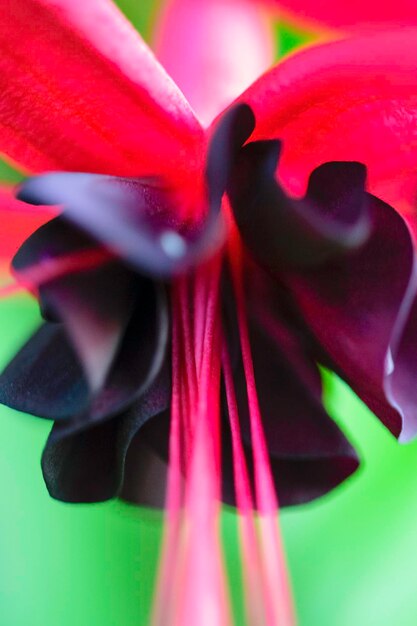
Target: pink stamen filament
x=279, y=603
x=191, y=587
x=251, y=558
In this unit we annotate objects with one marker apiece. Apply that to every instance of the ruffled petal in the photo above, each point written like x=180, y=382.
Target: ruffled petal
x=282, y=231
x=309, y=454
x=83, y=464
x=137, y=219
x=214, y=49
x=400, y=376
x=45, y=378
x=146, y=471
x=95, y=305
x=353, y=100
x=81, y=91
x=357, y=308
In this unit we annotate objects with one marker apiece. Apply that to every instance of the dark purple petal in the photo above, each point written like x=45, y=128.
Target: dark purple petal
x=231, y=132
x=281, y=231
x=357, y=306
x=96, y=305
x=134, y=218
x=400, y=380
x=297, y=480
x=83, y=464
x=140, y=358
x=52, y=240
x=309, y=454
x=49, y=243
x=146, y=465
x=45, y=378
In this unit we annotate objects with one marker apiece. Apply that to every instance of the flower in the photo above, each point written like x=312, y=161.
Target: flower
x=305, y=279
x=126, y=232
x=108, y=311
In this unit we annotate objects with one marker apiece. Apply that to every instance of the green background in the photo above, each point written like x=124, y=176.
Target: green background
x=352, y=555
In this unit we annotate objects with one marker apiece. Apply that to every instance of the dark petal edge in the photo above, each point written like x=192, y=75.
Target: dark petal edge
x=45, y=378
x=281, y=231
x=360, y=309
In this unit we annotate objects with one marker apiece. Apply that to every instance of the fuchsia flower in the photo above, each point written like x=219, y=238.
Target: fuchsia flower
x=185, y=282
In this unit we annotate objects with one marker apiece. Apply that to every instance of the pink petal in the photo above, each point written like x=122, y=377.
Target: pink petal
x=20, y=219
x=214, y=49
x=351, y=13
x=349, y=100
x=81, y=91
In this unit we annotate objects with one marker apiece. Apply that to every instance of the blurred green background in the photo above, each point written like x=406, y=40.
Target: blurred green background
x=352, y=555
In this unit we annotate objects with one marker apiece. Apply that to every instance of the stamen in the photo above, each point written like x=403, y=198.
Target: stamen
x=192, y=582
x=252, y=566
x=279, y=606
x=192, y=587
x=167, y=583
x=204, y=599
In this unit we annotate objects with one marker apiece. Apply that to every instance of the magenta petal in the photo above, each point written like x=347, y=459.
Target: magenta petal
x=21, y=221
x=352, y=14
x=80, y=90
x=350, y=100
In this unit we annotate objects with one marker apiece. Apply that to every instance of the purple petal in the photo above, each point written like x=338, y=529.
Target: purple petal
x=45, y=378
x=133, y=218
x=84, y=464
x=146, y=465
x=281, y=231
x=309, y=454
x=357, y=306
x=140, y=358
x=232, y=130
x=400, y=374
x=95, y=305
